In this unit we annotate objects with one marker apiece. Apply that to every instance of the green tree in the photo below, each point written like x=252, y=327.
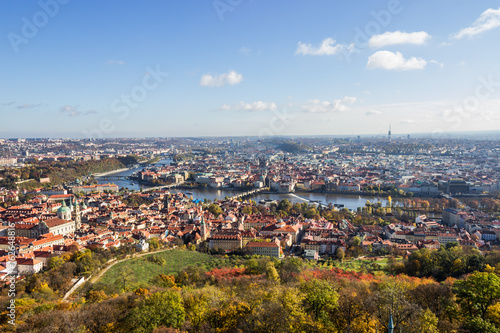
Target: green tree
x=246, y=210
x=285, y=205
x=477, y=292
x=290, y=268
x=160, y=309
x=479, y=325
x=320, y=298
x=125, y=275
x=55, y=262
x=215, y=209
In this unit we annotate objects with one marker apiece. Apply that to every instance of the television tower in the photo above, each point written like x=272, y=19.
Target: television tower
x=389, y=138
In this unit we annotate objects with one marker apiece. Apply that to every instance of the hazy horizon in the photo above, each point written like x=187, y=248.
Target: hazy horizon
x=248, y=68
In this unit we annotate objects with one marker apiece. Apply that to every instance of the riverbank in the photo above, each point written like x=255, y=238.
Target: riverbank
x=350, y=200
x=368, y=194
x=112, y=172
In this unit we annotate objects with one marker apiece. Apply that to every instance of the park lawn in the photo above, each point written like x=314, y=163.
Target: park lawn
x=144, y=270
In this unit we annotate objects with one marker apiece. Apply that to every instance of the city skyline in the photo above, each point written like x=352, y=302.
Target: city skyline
x=248, y=68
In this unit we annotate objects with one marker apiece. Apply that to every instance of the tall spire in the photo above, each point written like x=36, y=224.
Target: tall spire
x=78, y=215
x=203, y=228
x=390, y=327
x=168, y=208
x=389, y=134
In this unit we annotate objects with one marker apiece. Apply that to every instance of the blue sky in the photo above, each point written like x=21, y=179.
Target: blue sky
x=247, y=67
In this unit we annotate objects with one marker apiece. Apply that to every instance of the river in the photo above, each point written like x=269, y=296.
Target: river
x=130, y=184
x=350, y=201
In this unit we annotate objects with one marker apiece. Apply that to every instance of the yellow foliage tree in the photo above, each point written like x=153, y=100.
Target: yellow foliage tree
x=493, y=314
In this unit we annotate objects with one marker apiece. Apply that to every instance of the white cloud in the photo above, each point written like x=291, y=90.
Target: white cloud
x=394, y=61
x=327, y=47
x=73, y=111
x=29, y=106
x=373, y=113
x=230, y=78
x=440, y=64
x=255, y=106
x=338, y=105
x=488, y=20
x=398, y=37
x=68, y=108
x=115, y=62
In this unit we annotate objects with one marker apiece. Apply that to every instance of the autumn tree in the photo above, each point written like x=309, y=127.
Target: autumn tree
x=391, y=295
x=351, y=309
x=159, y=309
x=272, y=274
x=477, y=292
x=215, y=209
x=125, y=275
x=290, y=268
x=320, y=298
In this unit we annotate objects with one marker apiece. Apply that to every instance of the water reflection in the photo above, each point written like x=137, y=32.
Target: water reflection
x=348, y=200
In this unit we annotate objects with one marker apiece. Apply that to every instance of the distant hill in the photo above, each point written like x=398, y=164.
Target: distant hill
x=294, y=147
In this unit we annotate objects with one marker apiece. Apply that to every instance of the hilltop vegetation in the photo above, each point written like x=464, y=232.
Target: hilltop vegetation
x=195, y=292
x=59, y=172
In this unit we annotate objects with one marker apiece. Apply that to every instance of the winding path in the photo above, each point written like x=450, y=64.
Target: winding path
x=94, y=279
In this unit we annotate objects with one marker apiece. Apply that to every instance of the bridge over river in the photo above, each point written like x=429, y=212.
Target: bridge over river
x=162, y=187
x=249, y=193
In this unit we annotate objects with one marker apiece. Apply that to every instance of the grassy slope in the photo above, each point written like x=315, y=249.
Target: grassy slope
x=144, y=270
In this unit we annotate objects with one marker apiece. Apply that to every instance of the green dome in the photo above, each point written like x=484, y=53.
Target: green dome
x=64, y=208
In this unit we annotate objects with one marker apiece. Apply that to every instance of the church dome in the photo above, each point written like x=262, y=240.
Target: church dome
x=64, y=212
x=64, y=208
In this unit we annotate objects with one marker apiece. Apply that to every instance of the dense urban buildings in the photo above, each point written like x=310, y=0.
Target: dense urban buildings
x=454, y=180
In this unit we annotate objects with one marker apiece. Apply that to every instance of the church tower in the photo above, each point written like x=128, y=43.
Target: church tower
x=203, y=229
x=167, y=205
x=78, y=215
